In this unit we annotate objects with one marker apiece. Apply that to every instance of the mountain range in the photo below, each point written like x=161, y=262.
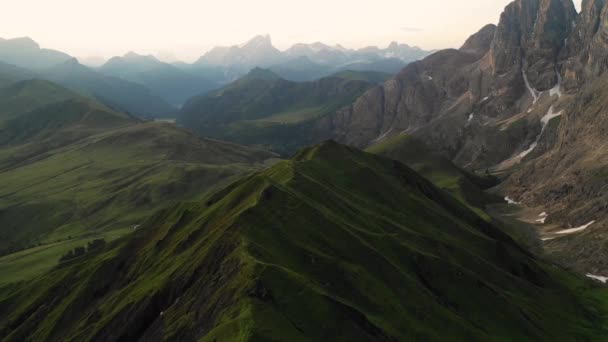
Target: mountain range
x=461, y=198
x=522, y=99
x=157, y=88
x=306, y=62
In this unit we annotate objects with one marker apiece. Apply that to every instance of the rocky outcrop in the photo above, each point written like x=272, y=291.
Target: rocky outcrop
x=527, y=97
x=586, y=53
x=480, y=42
x=480, y=104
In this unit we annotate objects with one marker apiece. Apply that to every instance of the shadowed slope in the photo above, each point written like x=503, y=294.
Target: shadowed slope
x=333, y=245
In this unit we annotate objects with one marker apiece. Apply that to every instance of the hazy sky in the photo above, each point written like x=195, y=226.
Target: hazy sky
x=187, y=28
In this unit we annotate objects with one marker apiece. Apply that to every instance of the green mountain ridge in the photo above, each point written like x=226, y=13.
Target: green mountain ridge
x=265, y=110
x=71, y=167
x=280, y=255
x=468, y=188
x=10, y=74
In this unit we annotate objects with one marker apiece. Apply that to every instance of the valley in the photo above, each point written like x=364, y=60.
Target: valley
x=313, y=192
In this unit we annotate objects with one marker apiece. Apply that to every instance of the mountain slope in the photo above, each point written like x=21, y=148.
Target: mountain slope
x=26, y=53
x=25, y=96
x=10, y=74
x=112, y=91
x=172, y=84
x=525, y=99
x=464, y=186
x=71, y=167
x=264, y=109
x=335, y=244
x=481, y=104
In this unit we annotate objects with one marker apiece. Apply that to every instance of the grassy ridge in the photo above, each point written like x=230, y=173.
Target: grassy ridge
x=466, y=187
x=73, y=169
x=333, y=245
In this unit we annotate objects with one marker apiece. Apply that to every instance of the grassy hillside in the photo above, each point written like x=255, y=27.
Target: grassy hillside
x=26, y=95
x=75, y=169
x=466, y=187
x=334, y=245
x=265, y=110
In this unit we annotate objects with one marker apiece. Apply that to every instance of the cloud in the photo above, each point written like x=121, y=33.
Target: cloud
x=410, y=29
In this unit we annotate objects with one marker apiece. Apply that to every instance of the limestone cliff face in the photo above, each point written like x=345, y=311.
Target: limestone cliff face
x=528, y=97
x=570, y=177
x=480, y=104
x=584, y=56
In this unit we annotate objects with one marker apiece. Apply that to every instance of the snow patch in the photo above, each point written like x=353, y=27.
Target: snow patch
x=557, y=90
x=542, y=218
x=532, y=91
x=430, y=78
x=471, y=116
x=547, y=239
x=598, y=278
x=530, y=149
x=575, y=230
x=382, y=136
x=510, y=200
x=544, y=122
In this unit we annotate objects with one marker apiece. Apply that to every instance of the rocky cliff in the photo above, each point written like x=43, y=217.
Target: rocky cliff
x=526, y=97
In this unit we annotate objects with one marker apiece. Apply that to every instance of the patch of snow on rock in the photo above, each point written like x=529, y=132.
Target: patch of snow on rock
x=530, y=149
x=544, y=122
x=598, y=278
x=575, y=230
x=557, y=90
x=510, y=200
x=542, y=218
x=532, y=91
x=382, y=136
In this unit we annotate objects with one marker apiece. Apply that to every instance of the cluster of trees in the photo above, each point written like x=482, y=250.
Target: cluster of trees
x=80, y=251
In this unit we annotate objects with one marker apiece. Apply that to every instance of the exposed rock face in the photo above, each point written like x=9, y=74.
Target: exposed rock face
x=480, y=42
x=472, y=103
x=529, y=93
x=586, y=53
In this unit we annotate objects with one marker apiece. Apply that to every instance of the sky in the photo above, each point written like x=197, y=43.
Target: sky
x=185, y=29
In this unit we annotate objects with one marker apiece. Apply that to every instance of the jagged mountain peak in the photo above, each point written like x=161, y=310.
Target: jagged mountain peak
x=480, y=42
x=530, y=35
